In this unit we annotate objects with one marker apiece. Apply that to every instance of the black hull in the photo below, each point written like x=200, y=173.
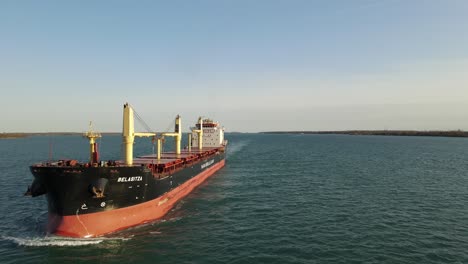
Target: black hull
x=70, y=189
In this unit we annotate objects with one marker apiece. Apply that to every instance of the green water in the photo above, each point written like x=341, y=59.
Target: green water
x=280, y=199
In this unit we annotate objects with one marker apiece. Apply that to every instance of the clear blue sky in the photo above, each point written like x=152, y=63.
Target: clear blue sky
x=253, y=65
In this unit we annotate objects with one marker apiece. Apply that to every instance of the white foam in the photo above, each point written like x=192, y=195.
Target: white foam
x=56, y=241
x=237, y=146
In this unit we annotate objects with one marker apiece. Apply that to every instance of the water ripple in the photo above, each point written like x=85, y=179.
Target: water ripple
x=280, y=199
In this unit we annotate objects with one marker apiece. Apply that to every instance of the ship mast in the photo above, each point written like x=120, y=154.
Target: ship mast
x=177, y=134
x=128, y=134
x=92, y=136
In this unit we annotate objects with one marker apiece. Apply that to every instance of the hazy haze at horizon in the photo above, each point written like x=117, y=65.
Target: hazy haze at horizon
x=253, y=65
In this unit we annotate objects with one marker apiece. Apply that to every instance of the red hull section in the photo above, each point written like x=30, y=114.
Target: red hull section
x=97, y=224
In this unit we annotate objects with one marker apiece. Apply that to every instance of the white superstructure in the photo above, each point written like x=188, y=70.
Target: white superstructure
x=212, y=135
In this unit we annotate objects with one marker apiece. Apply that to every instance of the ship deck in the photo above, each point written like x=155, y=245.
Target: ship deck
x=170, y=161
x=170, y=157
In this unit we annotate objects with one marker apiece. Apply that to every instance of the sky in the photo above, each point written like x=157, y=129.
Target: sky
x=252, y=65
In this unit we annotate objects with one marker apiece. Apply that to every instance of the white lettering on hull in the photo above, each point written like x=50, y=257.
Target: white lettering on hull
x=130, y=179
x=206, y=164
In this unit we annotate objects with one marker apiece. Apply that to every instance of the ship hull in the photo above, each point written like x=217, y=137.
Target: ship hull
x=101, y=223
x=131, y=195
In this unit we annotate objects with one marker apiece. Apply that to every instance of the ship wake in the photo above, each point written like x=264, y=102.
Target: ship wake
x=56, y=241
x=235, y=147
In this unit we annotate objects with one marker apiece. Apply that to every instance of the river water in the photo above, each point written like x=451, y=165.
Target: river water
x=279, y=199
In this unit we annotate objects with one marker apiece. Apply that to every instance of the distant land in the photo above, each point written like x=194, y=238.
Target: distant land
x=435, y=133
x=454, y=133
x=22, y=135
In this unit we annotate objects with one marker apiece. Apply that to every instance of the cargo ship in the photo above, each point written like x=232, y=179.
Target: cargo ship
x=96, y=197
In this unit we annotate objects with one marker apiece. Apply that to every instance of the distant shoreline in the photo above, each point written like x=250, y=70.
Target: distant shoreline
x=23, y=135
x=455, y=133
